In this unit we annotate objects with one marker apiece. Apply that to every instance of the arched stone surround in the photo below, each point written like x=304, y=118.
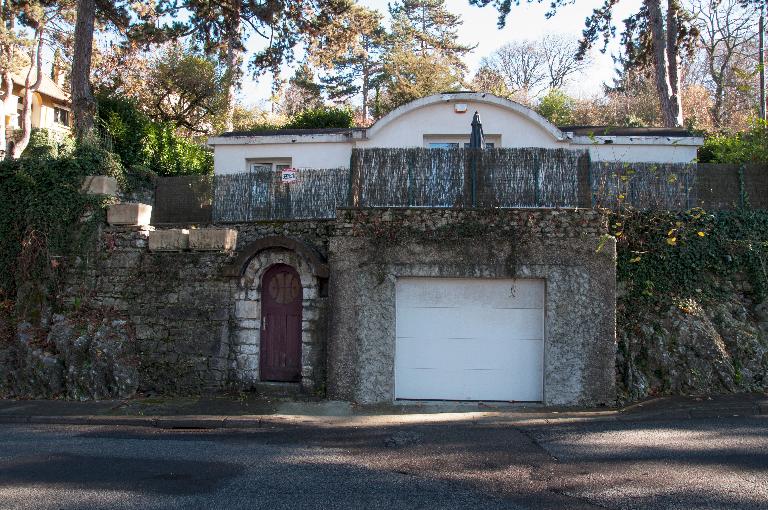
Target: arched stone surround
x=244, y=367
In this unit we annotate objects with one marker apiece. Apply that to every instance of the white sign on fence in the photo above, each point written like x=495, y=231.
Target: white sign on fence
x=290, y=175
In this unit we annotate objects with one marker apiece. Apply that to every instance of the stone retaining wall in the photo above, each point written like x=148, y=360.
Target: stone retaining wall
x=373, y=248
x=196, y=327
x=197, y=315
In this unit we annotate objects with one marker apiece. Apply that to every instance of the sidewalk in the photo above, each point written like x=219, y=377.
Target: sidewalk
x=249, y=411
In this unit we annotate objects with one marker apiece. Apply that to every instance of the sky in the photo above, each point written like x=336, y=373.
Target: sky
x=526, y=21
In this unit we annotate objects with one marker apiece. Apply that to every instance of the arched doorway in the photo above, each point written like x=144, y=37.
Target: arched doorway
x=281, y=324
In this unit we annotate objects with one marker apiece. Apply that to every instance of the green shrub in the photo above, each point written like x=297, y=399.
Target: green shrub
x=44, y=143
x=557, y=107
x=324, y=117
x=147, y=147
x=749, y=146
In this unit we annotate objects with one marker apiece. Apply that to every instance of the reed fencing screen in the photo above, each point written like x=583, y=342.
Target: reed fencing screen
x=487, y=178
x=416, y=177
x=678, y=186
x=254, y=196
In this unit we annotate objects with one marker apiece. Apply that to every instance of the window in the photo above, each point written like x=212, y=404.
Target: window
x=488, y=145
x=269, y=166
x=455, y=145
x=61, y=116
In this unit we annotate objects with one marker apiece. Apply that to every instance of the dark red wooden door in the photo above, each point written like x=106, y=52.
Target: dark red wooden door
x=281, y=296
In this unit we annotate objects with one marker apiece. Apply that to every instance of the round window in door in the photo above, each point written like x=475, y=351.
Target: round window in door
x=281, y=299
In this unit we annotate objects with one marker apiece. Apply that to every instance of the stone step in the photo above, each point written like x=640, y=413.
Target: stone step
x=278, y=389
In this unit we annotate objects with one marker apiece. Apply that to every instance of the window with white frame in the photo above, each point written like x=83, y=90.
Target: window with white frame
x=456, y=145
x=269, y=164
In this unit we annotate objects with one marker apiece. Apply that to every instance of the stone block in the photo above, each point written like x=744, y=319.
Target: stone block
x=213, y=239
x=129, y=214
x=172, y=239
x=99, y=185
x=247, y=310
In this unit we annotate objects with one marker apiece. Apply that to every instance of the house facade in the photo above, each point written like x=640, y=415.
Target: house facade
x=443, y=121
x=51, y=106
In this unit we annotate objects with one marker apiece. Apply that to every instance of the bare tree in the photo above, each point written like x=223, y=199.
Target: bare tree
x=727, y=36
x=561, y=57
x=530, y=67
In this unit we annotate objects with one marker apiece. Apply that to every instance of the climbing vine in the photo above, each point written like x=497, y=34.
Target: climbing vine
x=45, y=219
x=663, y=254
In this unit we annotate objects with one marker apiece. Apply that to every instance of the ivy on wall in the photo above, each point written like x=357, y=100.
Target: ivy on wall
x=44, y=218
x=664, y=254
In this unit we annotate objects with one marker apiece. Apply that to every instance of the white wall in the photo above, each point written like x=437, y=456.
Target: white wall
x=440, y=119
x=640, y=153
x=507, y=125
x=232, y=159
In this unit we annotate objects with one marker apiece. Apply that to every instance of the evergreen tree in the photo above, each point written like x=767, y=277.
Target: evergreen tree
x=302, y=93
x=425, y=56
x=355, y=62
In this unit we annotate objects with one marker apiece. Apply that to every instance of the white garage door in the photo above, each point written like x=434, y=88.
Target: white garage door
x=469, y=339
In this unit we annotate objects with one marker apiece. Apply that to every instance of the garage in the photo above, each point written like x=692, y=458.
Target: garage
x=469, y=339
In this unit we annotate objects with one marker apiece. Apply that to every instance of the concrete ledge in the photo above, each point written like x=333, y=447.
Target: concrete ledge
x=99, y=185
x=174, y=239
x=135, y=214
x=212, y=239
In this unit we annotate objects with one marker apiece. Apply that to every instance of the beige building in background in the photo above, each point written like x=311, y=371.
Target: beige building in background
x=51, y=106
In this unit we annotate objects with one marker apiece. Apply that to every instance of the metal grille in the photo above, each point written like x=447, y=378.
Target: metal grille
x=183, y=199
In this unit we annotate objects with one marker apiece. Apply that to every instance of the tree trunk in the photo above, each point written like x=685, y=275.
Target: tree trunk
x=36, y=64
x=233, y=63
x=365, y=87
x=83, y=103
x=5, y=107
x=671, y=111
x=673, y=59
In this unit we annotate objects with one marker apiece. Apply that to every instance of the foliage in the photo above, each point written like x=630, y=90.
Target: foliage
x=302, y=92
x=557, y=107
x=529, y=68
x=424, y=55
x=43, y=215
x=323, y=117
x=671, y=255
x=185, y=89
x=44, y=143
x=411, y=76
x=745, y=147
x=145, y=145
x=357, y=64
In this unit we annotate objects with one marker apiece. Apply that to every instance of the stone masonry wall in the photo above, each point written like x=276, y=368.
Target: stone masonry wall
x=566, y=248
x=196, y=328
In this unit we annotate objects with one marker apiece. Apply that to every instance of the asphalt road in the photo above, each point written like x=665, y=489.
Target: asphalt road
x=703, y=464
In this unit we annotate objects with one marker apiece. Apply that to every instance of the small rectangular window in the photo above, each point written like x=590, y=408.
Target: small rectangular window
x=269, y=165
x=488, y=145
x=61, y=116
x=444, y=145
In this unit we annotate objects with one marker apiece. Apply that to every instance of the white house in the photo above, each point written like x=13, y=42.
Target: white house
x=443, y=120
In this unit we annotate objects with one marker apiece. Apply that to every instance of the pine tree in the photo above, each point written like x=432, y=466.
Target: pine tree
x=425, y=56
x=353, y=56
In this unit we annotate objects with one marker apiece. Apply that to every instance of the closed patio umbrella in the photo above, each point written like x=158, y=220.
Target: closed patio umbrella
x=476, y=141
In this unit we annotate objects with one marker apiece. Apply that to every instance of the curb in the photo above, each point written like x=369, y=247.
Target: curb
x=204, y=422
